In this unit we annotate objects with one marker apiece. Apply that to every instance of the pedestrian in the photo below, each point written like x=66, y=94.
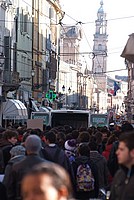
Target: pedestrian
x=101, y=164
x=123, y=183
x=17, y=154
x=47, y=181
x=7, y=141
x=53, y=153
x=19, y=169
x=112, y=160
x=3, y=195
x=70, y=149
x=86, y=174
x=57, y=155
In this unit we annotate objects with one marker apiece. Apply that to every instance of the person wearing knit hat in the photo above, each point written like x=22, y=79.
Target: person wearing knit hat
x=17, y=154
x=17, y=150
x=70, y=147
x=19, y=169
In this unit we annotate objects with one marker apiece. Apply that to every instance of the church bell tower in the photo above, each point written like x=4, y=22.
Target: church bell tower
x=99, y=65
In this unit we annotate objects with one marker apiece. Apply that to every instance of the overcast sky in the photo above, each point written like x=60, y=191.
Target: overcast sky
x=120, y=16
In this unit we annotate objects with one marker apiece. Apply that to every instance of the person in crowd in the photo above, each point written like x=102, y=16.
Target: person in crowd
x=83, y=137
x=61, y=138
x=53, y=153
x=47, y=181
x=2, y=129
x=98, y=135
x=112, y=160
x=108, y=146
x=3, y=195
x=17, y=154
x=57, y=155
x=70, y=149
x=8, y=140
x=101, y=163
x=86, y=175
x=19, y=169
x=123, y=183
x=107, y=150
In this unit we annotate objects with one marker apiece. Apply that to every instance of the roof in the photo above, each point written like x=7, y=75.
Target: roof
x=128, y=52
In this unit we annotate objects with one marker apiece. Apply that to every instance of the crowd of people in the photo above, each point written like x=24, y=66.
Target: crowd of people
x=63, y=163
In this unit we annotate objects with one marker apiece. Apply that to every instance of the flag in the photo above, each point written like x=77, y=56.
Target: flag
x=116, y=88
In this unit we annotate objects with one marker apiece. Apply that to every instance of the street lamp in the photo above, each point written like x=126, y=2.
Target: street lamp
x=32, y=74
x=63, y=88
x=69, y=90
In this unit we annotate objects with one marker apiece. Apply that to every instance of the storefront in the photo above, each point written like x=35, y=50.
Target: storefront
x=14, y=110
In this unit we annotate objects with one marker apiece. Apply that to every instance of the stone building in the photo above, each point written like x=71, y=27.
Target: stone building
x=99, y=65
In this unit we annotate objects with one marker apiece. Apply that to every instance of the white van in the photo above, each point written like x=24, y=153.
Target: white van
x=73, y=118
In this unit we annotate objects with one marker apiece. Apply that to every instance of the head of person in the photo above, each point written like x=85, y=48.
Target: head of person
x=70, y=145
x=11, y=136
x=46, y=181
x=33, y=144
x=50, y=137
x=83, y=137
x=93, y=146
x=84, y=150
x=17, y=151
x=125, y=151
x=126, y=127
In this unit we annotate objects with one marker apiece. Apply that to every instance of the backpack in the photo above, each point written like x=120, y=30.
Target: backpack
x=84, y=178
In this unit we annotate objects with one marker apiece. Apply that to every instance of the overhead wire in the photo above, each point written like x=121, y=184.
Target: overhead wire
x=74, y=20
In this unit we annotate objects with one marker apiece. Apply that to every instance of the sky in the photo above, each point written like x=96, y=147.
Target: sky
x=120, y=24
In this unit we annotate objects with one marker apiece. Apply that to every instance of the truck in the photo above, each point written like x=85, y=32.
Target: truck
x=73, y=118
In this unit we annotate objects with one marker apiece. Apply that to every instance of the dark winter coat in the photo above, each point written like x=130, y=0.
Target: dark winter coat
x=101, y=163
x=8, y=168
x=3, y=195
x=85, y=160
x=123, y=185
x=54, y=154
x=5, y=155
x=18, y=171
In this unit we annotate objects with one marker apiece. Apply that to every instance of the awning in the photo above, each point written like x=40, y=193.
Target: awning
x=14, y=109
x=128, y=51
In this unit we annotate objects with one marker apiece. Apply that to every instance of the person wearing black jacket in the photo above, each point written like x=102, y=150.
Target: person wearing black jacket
x=3, y=195
x=19, y=169
x=123, y=183
x=84, y=158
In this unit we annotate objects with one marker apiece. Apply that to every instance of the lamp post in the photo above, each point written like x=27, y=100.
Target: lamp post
x=32, y=74
x=63, y=88
x=69, y=91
